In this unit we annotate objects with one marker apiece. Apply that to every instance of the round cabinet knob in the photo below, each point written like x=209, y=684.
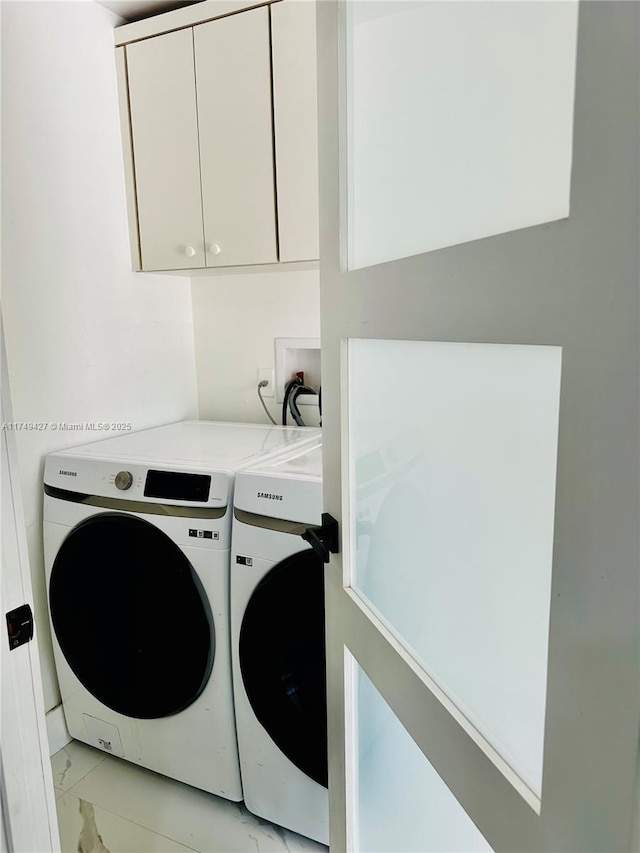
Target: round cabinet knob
x=124, y=480
x=215, y=248
x=189, y=251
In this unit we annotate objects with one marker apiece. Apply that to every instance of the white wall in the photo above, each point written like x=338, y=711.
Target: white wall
x=87, y=340
x=236, y=318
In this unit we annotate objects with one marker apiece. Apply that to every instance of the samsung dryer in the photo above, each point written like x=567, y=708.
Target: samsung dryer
x=137, y=532
x=278, y=643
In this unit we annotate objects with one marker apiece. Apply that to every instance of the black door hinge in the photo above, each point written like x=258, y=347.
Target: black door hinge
x=324, y=539
x=19, y=626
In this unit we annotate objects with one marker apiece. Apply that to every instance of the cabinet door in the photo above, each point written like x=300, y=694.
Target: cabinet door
x=293, y=33
x=164, y=128
x=233, y=73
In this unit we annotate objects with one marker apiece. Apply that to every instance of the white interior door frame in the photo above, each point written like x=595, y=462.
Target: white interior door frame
x=30, y=821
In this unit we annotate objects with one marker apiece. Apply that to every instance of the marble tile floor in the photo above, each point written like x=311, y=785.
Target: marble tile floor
x=107, y=805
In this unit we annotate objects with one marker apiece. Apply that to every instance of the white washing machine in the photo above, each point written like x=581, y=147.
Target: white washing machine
x=137, y=532
x=278, y=643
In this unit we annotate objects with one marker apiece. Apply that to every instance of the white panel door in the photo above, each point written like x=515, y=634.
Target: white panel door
x=481, y=422
x=233, y=72
x=164, y=127
x=295, y=112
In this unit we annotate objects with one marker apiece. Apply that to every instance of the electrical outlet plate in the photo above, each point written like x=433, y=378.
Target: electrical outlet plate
x=265, y=374
x=292, y=355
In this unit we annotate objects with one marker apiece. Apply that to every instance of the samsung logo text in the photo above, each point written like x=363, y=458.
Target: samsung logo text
x=269, y=497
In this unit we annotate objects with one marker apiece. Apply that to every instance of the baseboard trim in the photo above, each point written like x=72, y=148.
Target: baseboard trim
x=57, y=731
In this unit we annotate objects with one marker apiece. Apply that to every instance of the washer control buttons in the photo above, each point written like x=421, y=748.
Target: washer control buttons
x=124, y=480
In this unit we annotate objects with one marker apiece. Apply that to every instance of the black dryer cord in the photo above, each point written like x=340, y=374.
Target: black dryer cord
x=293, y=408
x=287, y=391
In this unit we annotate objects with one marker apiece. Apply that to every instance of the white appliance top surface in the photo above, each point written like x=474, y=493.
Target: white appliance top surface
x=305, y=463
x=289, y=487
x=207, y=444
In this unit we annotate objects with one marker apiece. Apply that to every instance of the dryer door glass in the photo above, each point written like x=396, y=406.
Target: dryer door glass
x=131, y=616
x=282, y=660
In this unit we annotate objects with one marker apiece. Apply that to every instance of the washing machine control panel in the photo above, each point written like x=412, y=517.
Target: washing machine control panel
x=124, y=480
x=145, y=483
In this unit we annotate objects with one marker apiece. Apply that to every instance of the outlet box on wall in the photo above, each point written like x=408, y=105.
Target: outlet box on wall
x=294, y=355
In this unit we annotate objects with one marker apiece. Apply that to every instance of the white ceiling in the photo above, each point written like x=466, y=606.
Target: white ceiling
x=133, y=10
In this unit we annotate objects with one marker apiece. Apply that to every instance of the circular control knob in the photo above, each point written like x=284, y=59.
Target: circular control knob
x=124, y=480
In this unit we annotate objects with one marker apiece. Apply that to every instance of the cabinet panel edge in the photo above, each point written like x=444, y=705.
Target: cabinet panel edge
x=187, y=16
x=127, y=158
x=247, y=269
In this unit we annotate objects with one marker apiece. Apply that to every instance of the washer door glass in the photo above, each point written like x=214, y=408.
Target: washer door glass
x=282, y=660
x=131, y=616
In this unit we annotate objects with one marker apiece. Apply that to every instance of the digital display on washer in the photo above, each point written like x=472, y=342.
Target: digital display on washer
x=176, y=486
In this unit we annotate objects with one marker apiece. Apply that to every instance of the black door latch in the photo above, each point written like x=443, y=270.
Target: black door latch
x=323, y=539
x=19, y=626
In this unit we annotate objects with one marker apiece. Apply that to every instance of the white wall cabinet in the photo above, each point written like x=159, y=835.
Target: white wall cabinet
x=164, y=128
x=234, y=111
x=295, y=107
x=220, y=138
